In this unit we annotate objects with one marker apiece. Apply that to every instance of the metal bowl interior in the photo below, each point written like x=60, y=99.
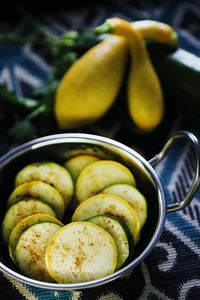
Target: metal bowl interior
x=58, y=148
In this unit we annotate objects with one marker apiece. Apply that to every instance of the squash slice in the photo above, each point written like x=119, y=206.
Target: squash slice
x=100, y=174
x=76, y=164
x=23, y=225
x=116, y=230
x=19, y=211
x=51, y=173
x=110, y=205
x=132, y=196
x=80, y=251
x=40, y=191
x=30, y=250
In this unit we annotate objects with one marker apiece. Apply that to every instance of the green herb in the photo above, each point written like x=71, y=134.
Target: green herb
x=21, y=102
x=33, y=116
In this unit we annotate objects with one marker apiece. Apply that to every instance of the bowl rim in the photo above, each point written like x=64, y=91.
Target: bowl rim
x=91, y=138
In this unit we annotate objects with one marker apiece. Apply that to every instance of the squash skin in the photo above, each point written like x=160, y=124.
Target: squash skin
x=156, y=31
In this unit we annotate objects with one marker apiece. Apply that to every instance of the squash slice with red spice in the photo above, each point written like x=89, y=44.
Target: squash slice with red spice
x=31, y=248
x=19, y=211
x=41, y=191
x=99, y=175
x=110, y=205
x=119, y=233
x=23, y=225
x=80, y=251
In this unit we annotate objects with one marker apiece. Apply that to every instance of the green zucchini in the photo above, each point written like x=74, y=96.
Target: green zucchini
x=132, y=196
x=23, y=225
x=51, y=173
x=40, y=191
x=110, y=205
x=20, y=210
x=30, y=250
x=80, y=251
x=117, y=231
x=179, y=72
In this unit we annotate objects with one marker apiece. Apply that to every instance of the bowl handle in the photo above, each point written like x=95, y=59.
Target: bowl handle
x=195, y=184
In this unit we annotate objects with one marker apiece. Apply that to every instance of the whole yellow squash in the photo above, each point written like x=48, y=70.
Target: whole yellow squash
x=145, y=98
x=90, y=86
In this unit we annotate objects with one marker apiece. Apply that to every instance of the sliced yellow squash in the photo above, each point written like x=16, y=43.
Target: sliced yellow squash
x=76, y=164
x=51, y=173
x=110, y=205
x=100, y=174
x=79, y=252
x=23, y=225
x=30, y=250
x=132, y=196
x=20, y=210
x=40, y=191
x=116, y=230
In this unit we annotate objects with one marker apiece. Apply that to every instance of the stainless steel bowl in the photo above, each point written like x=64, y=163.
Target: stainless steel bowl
x=57, y=148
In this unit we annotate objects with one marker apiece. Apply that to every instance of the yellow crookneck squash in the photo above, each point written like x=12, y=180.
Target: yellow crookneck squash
x=90, y=86
x=145, y=99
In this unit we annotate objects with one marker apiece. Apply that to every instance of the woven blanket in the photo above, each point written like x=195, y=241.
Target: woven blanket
x=172, y=270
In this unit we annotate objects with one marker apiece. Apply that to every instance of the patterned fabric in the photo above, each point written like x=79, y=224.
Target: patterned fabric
x=172, y=270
